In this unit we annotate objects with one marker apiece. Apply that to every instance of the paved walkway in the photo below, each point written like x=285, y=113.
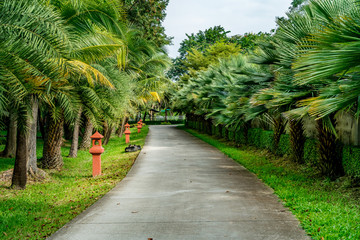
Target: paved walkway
x=181, y=188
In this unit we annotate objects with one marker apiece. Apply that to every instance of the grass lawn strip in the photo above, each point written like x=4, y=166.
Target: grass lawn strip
x=326, y=209
x=42, y=208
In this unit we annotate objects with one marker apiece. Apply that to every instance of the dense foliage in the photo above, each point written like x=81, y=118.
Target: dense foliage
x=148, y=16
x=76, y=66
x=308, y=67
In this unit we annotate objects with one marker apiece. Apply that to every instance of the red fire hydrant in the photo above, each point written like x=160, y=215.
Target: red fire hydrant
x=96, y=150
x=127, y=132
x=139, y=126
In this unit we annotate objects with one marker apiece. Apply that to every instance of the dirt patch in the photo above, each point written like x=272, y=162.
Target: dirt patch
x=41, y=176
x=6, y=176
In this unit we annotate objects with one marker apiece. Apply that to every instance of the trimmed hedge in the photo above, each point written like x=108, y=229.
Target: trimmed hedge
x=265, y=140
x=254, y=136
x=217, y=131
x=351, y=160
x=231, y=135
x=261, y=139
x=284, y=147
x=240, y=137
x=223, y=132
x=310, y=151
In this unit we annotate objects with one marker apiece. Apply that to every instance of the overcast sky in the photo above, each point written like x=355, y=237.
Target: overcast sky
x=237, y=16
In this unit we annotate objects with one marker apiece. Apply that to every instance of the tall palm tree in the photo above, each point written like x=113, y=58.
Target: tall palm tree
x=92, y=23
x=31, y=51
x=328, y=59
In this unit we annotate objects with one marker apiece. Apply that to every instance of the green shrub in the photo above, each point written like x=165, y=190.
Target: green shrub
x=231, y=135
x=240, y=137
x=310, y=151
x=267, y=140
x=213, y=130
x=351, y=161
x=284, y=145
x=217, y=131
x=254, y=137
x=223, y=132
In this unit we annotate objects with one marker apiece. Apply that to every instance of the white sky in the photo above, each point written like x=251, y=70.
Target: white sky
x=237, y=16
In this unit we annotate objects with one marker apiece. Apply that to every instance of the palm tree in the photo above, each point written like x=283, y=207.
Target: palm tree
x=328, y=59
x=92, y=23
x=30, y=61
x=333, y=57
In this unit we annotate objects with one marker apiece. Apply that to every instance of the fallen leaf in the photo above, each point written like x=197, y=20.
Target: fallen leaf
x=5, y=233
x=318, y=229
x=134, y=212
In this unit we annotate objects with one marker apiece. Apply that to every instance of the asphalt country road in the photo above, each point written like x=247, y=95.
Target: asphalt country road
x=181, y=188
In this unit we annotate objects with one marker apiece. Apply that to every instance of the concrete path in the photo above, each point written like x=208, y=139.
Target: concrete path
x=181, y=188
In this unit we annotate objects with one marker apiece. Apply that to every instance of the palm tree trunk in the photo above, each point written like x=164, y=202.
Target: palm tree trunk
x=246, y=127
x=329, y=158
x=124, y=121
x=86, y=141
x=145, y=113
x=105, y=130
x=279, y=129
x=118, y=130
x=42, y=124
x=107, y=133
x=10, y=147
x=32, y=163
x=75, y=138
x=297, y=140
x=19, y=177
x=52, y=158
x=151, y=115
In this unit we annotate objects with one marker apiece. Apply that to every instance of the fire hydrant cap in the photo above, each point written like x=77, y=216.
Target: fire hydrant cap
x=127, y=125
x=97, y=135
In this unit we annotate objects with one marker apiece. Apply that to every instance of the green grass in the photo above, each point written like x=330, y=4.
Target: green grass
x=42, y=208
x=326, y=209
x=6, y=163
